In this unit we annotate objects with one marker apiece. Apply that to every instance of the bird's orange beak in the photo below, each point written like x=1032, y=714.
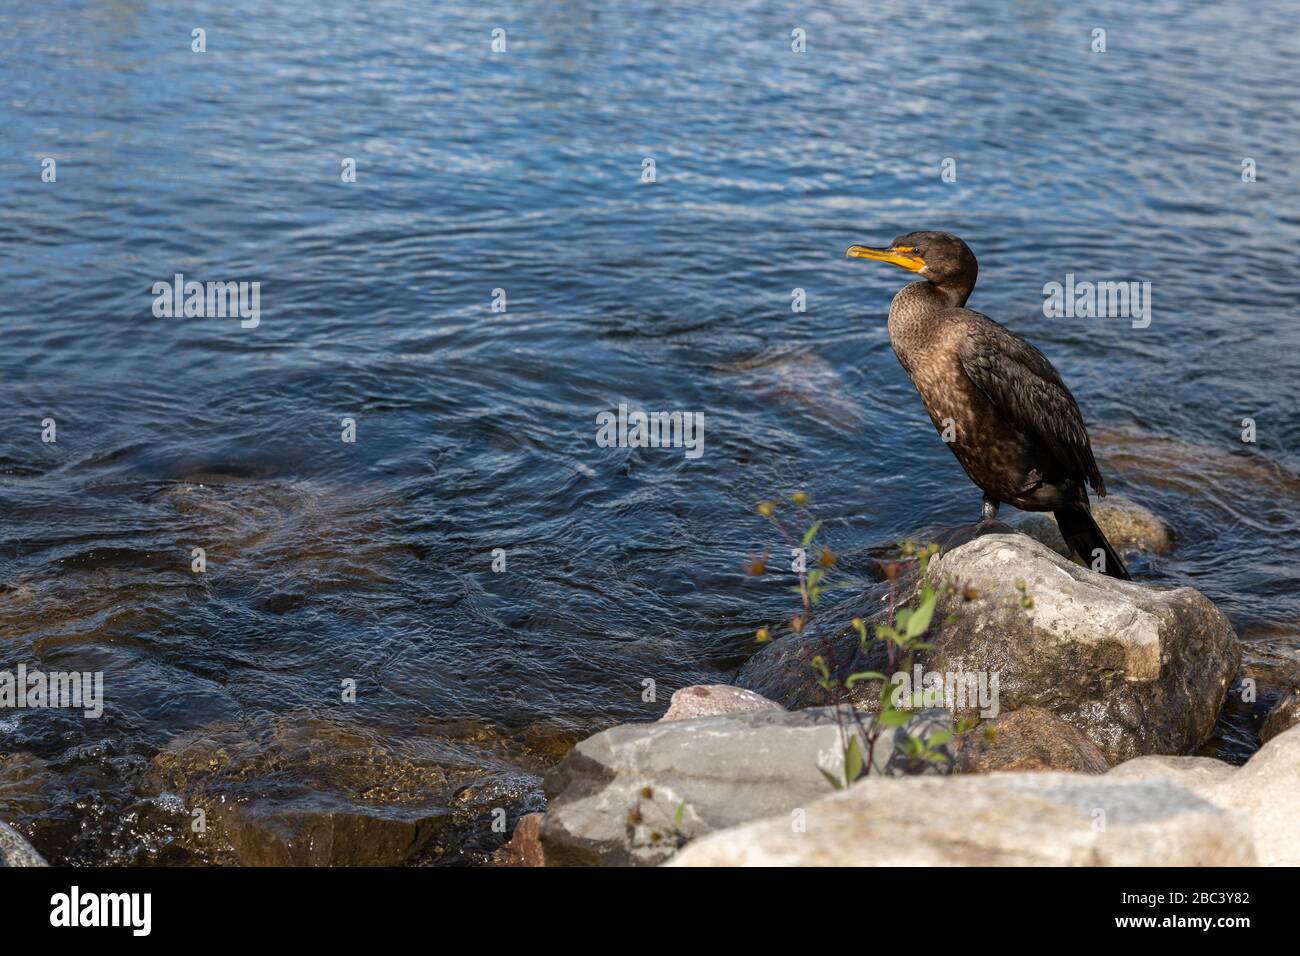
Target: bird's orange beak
x=904, y=256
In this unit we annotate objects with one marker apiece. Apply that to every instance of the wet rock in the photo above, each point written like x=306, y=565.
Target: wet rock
x=707, y=700
x=1284, y=715
x=1138, y=670
x=1027, y=739
x=524, y=847
x=634, y=794
x=302, y=790
x=473, y=831
x=1212, y=473
x=548, y=740
x=1005, y=819
x=276, y=833
x=1266, y=790
x=16, y=851
x=1127, y=525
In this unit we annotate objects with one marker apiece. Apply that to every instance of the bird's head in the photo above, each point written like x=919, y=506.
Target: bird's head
x=940, y=257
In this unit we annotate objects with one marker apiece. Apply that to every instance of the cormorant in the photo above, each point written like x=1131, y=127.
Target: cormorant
x=1008, y=417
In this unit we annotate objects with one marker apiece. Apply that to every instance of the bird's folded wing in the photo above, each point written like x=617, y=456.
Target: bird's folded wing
x=1022, y=385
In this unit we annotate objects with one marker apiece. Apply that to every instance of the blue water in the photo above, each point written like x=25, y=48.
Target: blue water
x=522, y=171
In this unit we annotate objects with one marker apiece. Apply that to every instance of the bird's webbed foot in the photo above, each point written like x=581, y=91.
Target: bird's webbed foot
x=989, y=511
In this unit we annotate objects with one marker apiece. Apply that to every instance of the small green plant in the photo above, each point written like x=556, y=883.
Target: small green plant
x=906, y=630
x=902, y=634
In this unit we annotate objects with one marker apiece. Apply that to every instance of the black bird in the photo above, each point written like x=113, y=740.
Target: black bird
x=1000, y=405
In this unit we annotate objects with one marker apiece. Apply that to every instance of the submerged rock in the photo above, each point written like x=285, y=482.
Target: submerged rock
x=1005, y=819
x=1266, y=791
x=310, y=794
x=708, y=700
x=302, y=790
x=634, y=794
x=800, y=379
x=1027, y=739
x=16, y=851
x=1127, y=525
x=1137, y=669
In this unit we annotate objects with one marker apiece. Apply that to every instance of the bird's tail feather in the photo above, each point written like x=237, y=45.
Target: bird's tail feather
x=1083, y=536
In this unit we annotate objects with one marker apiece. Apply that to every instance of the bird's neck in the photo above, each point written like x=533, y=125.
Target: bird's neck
x=923, y=298
x=953, y=292
x=928, y=296
x=914, y=316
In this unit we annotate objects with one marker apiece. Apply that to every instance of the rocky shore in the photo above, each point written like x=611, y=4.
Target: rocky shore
x=1086, y=703
x=1093, y=694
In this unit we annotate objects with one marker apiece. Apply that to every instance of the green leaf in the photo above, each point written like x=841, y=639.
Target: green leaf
x=920, y=620
x=893, y=718
x=677, y=817
x=853, y=760
x=810, y=533
x=834, y=781
x=938, y=738
x=862, y=675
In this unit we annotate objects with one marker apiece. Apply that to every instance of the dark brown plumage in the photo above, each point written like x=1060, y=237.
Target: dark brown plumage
x=999, y=404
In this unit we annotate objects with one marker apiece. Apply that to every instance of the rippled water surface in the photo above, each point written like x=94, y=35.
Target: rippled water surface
x=476, y=430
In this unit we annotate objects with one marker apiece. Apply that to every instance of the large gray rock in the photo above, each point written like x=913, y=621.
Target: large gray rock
x=1198, y=774
x=633, y=794
x=1266, y=790
x=1005, y=819
x=16, y=851
x=1138, y=669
